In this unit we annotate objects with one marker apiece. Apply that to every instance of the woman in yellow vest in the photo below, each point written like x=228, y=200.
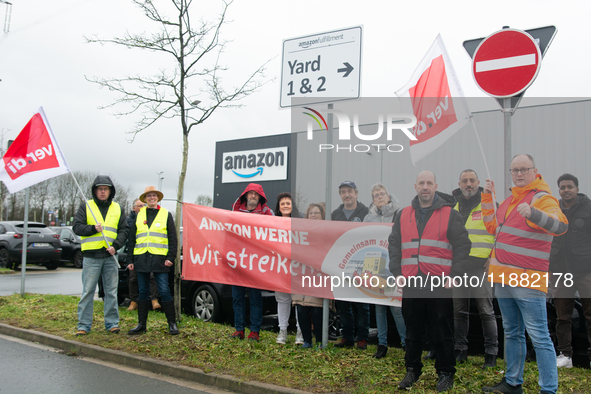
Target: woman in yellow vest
x=153, y=242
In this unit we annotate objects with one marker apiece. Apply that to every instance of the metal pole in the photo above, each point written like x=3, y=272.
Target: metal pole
x=25, y=243
x=507, y=112
x=329, y=133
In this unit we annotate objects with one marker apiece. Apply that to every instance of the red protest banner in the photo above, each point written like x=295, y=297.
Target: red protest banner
x=325, y=259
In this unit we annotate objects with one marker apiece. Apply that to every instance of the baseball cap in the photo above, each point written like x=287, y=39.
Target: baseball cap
x=348, y=184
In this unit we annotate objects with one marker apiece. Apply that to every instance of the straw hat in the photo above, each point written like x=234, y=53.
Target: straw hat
x=151, y=189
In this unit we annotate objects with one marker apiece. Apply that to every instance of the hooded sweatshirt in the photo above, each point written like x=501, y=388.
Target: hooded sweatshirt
x=262, y=207
x=82, y=228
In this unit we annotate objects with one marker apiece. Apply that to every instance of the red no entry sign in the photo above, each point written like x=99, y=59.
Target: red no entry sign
x=506, y=63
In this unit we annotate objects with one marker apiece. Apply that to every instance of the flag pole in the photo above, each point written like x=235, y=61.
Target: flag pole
x=485, y=163
x=25, y=243
x=92, y=213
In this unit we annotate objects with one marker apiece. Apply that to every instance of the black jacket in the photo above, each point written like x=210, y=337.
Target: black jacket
x=358, y=215
x=571, y=251
x=82, y=228
x=456, y=234
x=148, y=262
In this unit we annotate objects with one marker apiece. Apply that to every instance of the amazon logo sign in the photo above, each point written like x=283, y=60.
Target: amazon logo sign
x=255, y=165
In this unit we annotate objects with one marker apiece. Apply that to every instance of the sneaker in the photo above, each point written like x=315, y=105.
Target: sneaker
x=237, y=335
x=410, y=379
x=307, y=345
x=504, y=388
x=281, y=337
x=362, y=345
x=490, y=361
x=253, y=336
x=115, y=330
x=564, y=362
x=381, y=352
x=344, y=343
x=445, y=382
x=81, y=333
x=461, y=356
x=299, y=338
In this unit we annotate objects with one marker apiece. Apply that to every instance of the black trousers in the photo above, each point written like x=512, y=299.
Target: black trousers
x=420, y=308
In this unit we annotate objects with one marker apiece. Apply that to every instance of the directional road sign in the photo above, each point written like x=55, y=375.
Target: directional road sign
x=321, y=67
x=506, y=63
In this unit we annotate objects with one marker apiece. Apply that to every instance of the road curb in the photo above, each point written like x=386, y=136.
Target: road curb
x=145, y=363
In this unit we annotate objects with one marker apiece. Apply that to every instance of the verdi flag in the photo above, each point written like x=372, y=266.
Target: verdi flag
x=436, y=99
x=33, y=157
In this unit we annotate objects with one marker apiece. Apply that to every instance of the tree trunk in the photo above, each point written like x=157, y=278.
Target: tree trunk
x=178, y=222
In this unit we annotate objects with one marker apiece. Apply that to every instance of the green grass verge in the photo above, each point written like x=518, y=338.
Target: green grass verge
x=207, y=346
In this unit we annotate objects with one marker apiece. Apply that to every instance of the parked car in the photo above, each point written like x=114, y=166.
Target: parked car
x=71, y=245
x=43, y=246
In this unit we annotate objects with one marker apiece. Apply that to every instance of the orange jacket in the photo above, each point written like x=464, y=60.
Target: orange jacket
x=534, y=279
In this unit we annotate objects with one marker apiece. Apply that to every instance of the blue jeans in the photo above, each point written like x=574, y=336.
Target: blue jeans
x=523, y=309
x=349, y=324
x=92, y=269
x=143, y=281
x=382, y=323
x=239, y=306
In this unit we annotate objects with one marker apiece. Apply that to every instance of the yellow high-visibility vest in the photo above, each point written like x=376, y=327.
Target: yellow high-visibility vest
x=110, y=225
x=482, y=241
x=153, y=239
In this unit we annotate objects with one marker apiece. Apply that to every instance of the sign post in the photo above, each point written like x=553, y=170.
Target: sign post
x=504, y=65
x=321, y=66
x=317, y=69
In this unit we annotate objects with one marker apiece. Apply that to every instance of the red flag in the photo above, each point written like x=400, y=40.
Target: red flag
x=437, y=101
x=33, y=157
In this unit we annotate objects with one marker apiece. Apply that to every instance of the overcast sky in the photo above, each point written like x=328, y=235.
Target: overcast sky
x=44, y=60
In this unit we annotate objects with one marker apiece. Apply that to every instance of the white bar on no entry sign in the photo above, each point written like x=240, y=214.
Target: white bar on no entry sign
x=507, y=62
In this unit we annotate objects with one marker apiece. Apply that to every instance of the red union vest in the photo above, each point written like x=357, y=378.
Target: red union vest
x=432, y=252
x=517, y=243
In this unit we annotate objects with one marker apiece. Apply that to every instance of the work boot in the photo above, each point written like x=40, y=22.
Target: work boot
x=170, y=313
x=156, y=304
x=461, y=356
x=381, y=352
x=410, y=379
x=490, y=361
x=445, y=382
x=143, y=307
x=132, y=306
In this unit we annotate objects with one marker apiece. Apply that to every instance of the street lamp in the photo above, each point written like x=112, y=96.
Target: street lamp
x=160, y=178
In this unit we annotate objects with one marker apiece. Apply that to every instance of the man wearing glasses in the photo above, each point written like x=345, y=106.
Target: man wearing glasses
x=525, y=224
x=352, y=210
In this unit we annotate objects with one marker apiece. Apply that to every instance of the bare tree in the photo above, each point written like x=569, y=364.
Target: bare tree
x=204, y=200
x=194, y=50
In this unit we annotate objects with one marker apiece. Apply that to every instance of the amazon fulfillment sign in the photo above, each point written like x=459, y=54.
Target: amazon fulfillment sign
x=255, y=165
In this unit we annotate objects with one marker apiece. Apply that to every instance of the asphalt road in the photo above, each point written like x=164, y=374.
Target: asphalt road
x=39, y=280
x=31, y=368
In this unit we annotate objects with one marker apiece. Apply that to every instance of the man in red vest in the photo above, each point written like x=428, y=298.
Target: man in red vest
x=427, y=242
x=527, y=221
